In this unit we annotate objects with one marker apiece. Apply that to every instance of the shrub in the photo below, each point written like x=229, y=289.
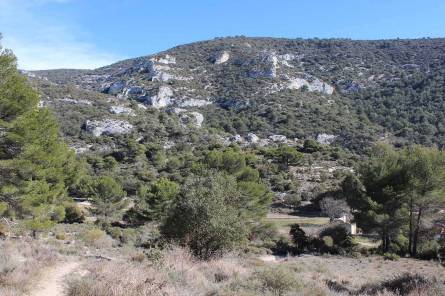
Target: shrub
x=401, y=285
x=299, y=238
x=391, y=256
x=277, y=280
x=96, y=238
x=60, y=236
x=205, y=219
x=328, y=241
x=340, y=239
x=73, y=214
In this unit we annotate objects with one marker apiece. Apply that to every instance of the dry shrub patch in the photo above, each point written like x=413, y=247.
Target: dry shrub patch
x=21, y=264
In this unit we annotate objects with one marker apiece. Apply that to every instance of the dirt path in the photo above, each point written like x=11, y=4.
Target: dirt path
x=52, y=283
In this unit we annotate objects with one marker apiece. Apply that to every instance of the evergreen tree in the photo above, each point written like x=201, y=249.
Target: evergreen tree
x=36, y=166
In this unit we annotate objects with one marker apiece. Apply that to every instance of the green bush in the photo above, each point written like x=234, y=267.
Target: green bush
x=206, y=218
x=73, y=214
x=391, y=256
x=96, y=238
x=339, y=239
x=277, y=280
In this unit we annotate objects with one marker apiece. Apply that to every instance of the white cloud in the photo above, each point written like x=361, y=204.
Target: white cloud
x=42, y=43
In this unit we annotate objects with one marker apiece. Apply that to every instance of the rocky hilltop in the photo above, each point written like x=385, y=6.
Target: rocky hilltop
x=339, y=92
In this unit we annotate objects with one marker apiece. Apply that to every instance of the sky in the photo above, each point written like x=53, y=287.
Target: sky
x=49, y=34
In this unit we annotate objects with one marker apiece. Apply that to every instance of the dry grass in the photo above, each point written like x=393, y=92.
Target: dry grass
x=21, y=264
x=176, y=272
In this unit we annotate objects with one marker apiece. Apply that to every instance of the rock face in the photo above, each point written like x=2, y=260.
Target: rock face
x=278, y=138
x=134, y=91
x=116, y=88
x=325, y=139
x=252, y=138
x=314, y=85
x=76, y=102
x=221, y=57
x=269, y=63
x=122, y=110
x=194, y=103
x=158, y=68
x=162, y=99
x=109, y=127
x=195, y=118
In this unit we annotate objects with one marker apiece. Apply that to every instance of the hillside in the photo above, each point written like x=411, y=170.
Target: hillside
x=350, y=93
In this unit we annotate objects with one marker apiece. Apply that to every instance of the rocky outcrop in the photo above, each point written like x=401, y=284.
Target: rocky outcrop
x=312, y=85
x=167, y=59
x=158, y=68
x=269, y=64
x=134, y=91
x=162, y=99
x=252, y=138
x=193, y=103
x=109, y=127
x=75, y=102
x=278, y=138
x=116, y=88
x=220, y=57
x=122, y=110
x=194, y=118
x=325, y=139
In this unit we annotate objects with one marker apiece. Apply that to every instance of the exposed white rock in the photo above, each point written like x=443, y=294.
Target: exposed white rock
x=179, y=110
x=167, y=59
x=270, y=61
x=236, y=139
x=159, y=72
x=116, y=87
x=221, y=57
x=325, y=139
x=142, y=106
x=110, y=127
x=168, y=145
x=252, y=138
x=42, y=104
x=134, y=91
x=314, y=85
x=199, y=118
x=278, y=138
x=194, y=103
x=76, y=102
x=195, y=118
x=122, y=110
x=81, y=149
x=162, y=99
x=287, y=57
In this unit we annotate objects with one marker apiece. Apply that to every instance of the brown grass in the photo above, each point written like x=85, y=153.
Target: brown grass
x=21, y=264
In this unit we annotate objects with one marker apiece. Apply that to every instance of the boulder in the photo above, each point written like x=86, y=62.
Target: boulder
x=109, y=127
x=167, y=59
x=195, y=118
x=134, y=91
x=325, y=139
x=316, y=85
x=278, y=138
x=122, y=110
x=162, y=99
x=194, y=103
x=221, y=57
x=252, y=138
x=116, y=88
x=236, y=139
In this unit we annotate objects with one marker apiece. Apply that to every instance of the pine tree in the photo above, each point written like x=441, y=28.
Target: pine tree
x=36, y=166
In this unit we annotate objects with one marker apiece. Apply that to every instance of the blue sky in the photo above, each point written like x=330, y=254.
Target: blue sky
x=48, y=34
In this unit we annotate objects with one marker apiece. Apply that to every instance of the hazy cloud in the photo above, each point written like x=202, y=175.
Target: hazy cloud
x=42, y=43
